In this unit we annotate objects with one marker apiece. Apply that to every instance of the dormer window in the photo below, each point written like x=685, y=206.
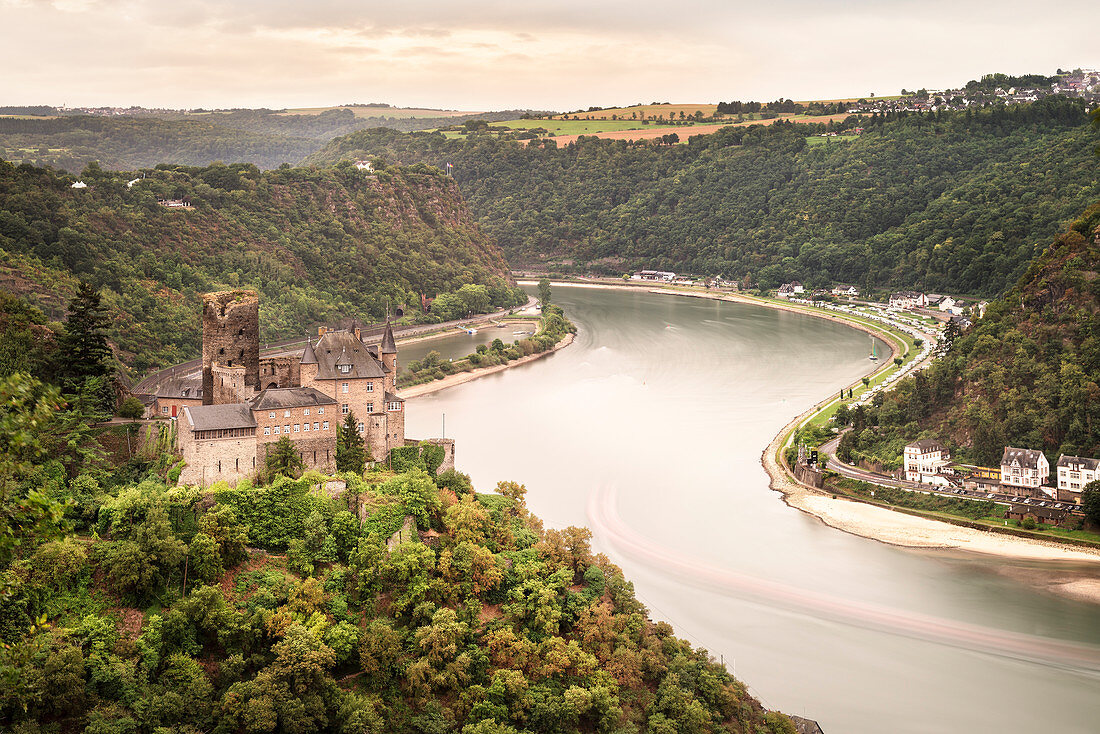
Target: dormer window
x=345, y=368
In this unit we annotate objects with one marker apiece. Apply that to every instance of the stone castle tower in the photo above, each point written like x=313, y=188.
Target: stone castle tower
x=230, y=339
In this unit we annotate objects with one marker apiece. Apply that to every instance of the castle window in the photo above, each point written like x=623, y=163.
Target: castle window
x=344, y=409
x=276, y=430
x=305, y=426
x=370, y=387
x=307, y=411
x=345, y=368
x=360, y=427
x=286, y=428
x=326, y=425
x=343, y=387
x=219, y=467
x=164, y=410
x=315, y=425
x=297, y=428
x=238, y=464
x=286, y=414
x=267, y=430
x=394, y=406
x=320, y=411
x=370, y=407
x=271, y=414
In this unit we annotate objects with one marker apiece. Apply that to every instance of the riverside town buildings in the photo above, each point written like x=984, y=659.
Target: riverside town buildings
x=249, y=402
x=1074, y=473
x=925, y=461
x=1026, y=469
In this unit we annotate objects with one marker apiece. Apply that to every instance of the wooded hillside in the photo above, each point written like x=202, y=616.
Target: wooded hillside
x=1027, y=374
x=958, y=202
x=317, y=244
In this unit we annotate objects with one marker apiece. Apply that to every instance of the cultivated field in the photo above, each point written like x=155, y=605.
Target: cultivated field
x=650, y=110
x=684, y=131
x=394, y=112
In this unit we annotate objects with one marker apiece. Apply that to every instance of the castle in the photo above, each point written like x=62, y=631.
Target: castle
x=249, y=403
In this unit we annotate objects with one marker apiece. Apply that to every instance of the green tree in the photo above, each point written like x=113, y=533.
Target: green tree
x=1090, y=501
x=131, y=408
x=83, y=346
x=283, y=458
x=544, y=292
x=351, y=456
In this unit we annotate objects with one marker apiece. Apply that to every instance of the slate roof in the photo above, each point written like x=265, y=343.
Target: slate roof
x=275, y=398
x=1028, y=458
x=388, y=345
x=391, y=397
x=1085, y=463
x=214, y=417
x=180, y=387
x=927, y=444
x=308, y=357
x=337, y=345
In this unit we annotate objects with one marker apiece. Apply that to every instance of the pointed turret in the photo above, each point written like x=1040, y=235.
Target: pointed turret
x=308, y=356
x=389, y=346
x=387, y=354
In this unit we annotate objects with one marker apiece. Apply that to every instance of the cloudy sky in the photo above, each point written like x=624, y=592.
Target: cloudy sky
x=493, y=54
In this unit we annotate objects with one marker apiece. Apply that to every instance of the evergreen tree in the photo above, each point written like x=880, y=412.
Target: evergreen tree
x=350, y=454
x=284, y=458
x=83, y=352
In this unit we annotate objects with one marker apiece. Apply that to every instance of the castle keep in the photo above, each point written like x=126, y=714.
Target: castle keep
x=250, y=403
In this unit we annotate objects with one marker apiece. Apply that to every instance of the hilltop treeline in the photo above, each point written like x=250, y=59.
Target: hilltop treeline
x=318, y=245
x=1027, y=374
x=265, y=138
x=953, y=201
x=129, y=605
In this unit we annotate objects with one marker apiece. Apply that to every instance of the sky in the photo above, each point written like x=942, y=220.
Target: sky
x=492, y=54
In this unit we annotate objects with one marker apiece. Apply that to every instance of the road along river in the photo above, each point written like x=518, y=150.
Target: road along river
x=649, y=430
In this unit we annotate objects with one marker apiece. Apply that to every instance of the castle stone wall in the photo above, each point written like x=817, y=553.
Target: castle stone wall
x=216, y=460
x=280, y=372
x=228, y=384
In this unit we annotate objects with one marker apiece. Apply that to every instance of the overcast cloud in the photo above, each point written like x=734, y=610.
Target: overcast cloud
x=492, y=54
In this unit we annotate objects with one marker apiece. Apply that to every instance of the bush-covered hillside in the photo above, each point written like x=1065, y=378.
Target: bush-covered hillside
x=318, y=245
x=953, y=201
x=1027, y=374
x=128, y=605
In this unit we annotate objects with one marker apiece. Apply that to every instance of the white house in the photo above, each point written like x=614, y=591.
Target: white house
x=364, y=166
x=845, y=290
x=908, y=299
x=797, y=287
x=1074, y=472
x=924, y=460
x=1025, y=469
x=660, y=275
x=785, y=291
x=79, y=185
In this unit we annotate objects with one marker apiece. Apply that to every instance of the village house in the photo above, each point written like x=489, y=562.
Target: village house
x=908, y=299
x=1025, y=471
x=925, y=461
x=1074, y=472
x=843, y=289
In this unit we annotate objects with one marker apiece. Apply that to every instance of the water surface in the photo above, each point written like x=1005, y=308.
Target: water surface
x=649, y=429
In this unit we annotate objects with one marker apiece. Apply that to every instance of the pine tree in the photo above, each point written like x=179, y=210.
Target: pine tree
x=350, y=454
x=284, y=459
x=82, y=349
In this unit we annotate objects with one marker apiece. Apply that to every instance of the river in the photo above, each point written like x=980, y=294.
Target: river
x=649, y=430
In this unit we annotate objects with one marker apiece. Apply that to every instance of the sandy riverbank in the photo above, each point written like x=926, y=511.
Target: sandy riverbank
x=909, y=531
x=462, y=378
